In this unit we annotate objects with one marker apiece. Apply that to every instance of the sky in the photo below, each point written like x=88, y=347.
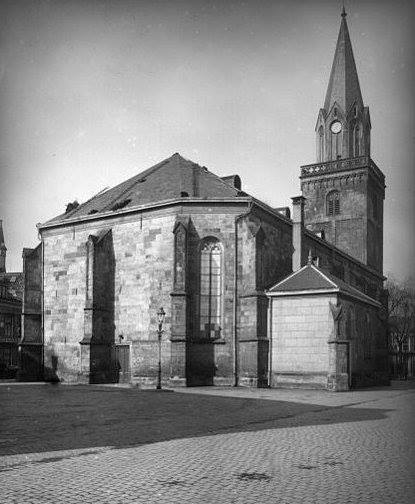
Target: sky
x=94, y=91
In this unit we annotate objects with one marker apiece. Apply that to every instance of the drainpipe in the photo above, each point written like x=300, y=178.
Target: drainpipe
x=270, y=306
x=235, y=298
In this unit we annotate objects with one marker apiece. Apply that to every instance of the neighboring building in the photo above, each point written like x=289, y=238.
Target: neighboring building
x=11, y=289
x=179, y=236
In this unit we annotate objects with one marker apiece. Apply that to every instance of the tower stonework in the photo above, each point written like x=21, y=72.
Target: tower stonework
x=345, y=189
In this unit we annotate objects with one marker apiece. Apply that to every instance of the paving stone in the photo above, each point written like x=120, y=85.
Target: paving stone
x=121, y=445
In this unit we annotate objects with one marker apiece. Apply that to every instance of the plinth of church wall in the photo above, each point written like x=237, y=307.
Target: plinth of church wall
x=144, y=357
x=347, y=229
x=301, y=327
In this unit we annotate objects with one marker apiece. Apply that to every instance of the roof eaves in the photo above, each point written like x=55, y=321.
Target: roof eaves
x=138, y=208
x=308, y=292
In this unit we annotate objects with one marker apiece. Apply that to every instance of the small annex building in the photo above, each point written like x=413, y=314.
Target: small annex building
x=323, y=332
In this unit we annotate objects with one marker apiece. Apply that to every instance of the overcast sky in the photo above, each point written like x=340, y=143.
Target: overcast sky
x=94, y=91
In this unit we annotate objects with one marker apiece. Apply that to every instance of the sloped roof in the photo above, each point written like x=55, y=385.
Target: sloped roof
x=172, y=178
x=14, y=284
x=343, y=87
x=311, y=280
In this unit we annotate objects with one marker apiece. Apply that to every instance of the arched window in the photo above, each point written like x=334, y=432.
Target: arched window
x=333, y=203
x=320, y=144
x=211, y=264
x=335, y=145
x=356, y=141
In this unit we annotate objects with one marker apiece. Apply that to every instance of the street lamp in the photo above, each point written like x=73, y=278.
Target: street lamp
x=160, y=318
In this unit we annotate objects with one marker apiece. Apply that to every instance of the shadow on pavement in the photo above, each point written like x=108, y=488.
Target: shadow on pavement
x=41, y=418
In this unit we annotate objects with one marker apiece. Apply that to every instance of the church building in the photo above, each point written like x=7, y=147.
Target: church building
x=252, y=294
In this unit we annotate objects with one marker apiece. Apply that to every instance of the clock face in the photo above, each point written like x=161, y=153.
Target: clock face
x=336, y=127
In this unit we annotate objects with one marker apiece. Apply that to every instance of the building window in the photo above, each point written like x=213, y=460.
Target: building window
x=356, y=141
x=333, y=203
x=211, y=258
x=320, y=146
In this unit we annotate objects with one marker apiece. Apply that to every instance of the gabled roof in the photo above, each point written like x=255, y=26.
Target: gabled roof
x=343, y=87
x=312, y=280
x=172, y=178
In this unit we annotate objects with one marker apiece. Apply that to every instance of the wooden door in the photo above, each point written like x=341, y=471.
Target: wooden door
x=122, y=363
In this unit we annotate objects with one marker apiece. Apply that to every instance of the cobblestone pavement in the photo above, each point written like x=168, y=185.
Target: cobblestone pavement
x=97, y=444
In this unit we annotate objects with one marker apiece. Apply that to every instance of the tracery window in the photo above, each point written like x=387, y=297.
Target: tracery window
x=211, y=259
x=333, y=203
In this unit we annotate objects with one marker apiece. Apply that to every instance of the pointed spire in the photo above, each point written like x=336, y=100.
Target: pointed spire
x=343, y=85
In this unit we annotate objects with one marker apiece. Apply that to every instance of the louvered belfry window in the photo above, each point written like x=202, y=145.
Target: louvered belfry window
x=333, y=203
x=210, y=288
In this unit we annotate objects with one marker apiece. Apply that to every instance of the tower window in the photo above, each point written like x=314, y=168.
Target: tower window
x=333, y=203
x=211, y=288
x=356, y=141
x=320, y=145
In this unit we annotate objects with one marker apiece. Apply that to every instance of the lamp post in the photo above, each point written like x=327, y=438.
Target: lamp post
x=160, y=318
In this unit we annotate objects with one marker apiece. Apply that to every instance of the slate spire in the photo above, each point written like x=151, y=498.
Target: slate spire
x=343, y=85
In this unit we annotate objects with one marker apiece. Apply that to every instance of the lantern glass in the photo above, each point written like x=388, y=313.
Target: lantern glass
x=160, y=315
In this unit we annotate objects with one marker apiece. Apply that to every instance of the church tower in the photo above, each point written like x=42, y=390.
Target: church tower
x=345, y=189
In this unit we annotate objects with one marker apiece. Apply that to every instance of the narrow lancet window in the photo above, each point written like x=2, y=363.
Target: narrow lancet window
x=356, y=141
x=211, y=256
x=320, y=145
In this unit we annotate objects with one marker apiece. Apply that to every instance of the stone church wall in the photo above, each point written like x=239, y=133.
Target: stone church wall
x=301, y=326
x=360, y=324
x=141, y=284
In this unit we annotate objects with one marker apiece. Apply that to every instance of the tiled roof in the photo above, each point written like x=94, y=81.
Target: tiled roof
x=14, y=284
x=172, y=178
x=307, y=278
x=312, y=279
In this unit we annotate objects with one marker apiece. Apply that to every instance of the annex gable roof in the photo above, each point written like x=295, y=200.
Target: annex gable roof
x=312, y=280
x=172, y=178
